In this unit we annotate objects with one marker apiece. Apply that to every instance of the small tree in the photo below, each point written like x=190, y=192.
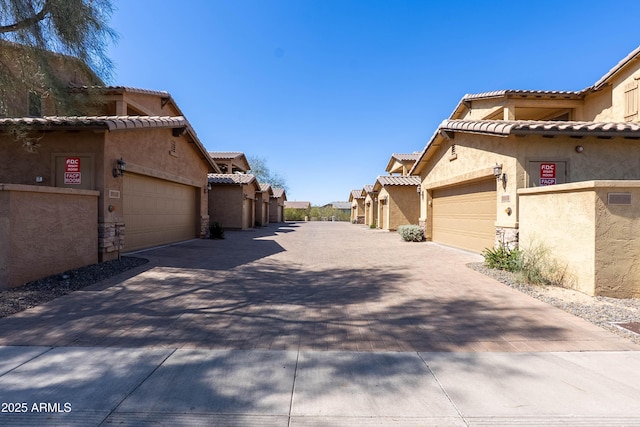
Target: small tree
x=264, y=175
x=75, y=28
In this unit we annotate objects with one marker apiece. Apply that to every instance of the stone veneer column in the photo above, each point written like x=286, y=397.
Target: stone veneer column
x=110, y=239
x=507, y=236
x=204, y=226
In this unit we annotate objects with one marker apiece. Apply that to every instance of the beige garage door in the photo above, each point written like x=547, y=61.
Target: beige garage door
x=464, y=216
x=157, y=212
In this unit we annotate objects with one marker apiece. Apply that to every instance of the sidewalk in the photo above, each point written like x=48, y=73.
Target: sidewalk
x=311, y=324
x=137, y=387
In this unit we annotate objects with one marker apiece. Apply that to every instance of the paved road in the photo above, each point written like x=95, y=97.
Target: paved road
x=314, y=324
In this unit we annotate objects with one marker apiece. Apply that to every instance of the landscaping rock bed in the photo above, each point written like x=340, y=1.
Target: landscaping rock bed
x=602, y=311
x=40, y=291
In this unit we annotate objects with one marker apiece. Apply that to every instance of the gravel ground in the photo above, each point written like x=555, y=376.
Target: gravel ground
x=43, y=290
x=602, y=311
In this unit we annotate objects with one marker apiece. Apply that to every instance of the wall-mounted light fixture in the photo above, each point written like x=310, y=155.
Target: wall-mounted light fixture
x=579, y=148
x=121, y=166
x=245, y=195
x=497, y=172
x=418, y=189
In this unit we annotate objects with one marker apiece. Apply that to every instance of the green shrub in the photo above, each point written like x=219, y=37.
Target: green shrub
x=373, y=225
x=537, y=267
x=216, y=231
x=503, y=258
x=411, y=233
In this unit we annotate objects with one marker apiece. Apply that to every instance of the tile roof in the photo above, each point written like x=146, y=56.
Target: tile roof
x=225, y=155
x=552, y=94
x=398, y=180
x=118, y=89
x=109, y=123
x=545, y=128
x=405, y=157
x=231, y=178
x=504, y=128
x=265, y=187
x=367, y=189
x=356, y=194
x=297, y=205
x=278, y=192
x=603, y=80
x=97, y=122
x=341, y=205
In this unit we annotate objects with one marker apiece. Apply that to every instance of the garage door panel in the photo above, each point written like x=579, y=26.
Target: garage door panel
x=464, y=216
x=157, y=212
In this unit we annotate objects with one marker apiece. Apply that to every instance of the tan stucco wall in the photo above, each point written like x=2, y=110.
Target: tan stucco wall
x=262, y=208
x=404, y=206
x=612, y=96
x=617, y=268
x=596, y=241
x=475, y=157
x=357, y=210
x=562, y=223
x=401, y=206
x=225, y=205
x=45, y=231
x=276, y=209
x=145, y=151
x=148, y=152
x=370, y=210
x=601, y=159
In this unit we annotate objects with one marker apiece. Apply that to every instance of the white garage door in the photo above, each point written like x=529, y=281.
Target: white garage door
x=157, y=212
x=464, y=216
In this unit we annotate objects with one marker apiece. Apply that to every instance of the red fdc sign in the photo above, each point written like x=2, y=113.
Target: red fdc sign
x=72, y=164
x=547, y=173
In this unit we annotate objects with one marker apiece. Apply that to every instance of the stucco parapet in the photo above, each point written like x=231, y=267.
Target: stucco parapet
x=49, y=190
x=580, y=186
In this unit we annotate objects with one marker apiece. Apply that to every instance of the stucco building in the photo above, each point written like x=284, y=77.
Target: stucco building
x=232, y=200
x=499, y=150
x=357, y=206
x=398, y=201
x=370, y=205
x=142, y=157
x=276, y=205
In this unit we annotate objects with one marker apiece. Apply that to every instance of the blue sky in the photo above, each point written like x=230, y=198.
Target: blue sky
x=326, y=90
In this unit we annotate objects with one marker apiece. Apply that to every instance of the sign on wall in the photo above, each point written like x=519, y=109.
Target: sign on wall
x=72, y=174
x=547, y=174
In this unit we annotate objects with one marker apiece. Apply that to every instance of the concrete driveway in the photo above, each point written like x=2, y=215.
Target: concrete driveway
x=310, y=324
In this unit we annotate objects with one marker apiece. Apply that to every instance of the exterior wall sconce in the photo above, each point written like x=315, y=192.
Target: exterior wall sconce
x=497, y=172
x=207, y=188
x=245, y=195
x=579, y=148
x=418, y=189
x=121, y=166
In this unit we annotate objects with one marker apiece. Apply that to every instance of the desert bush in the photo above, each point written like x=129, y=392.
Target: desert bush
x=503, y=258
x=538, y=267
x=411, y=233
x=216, y=231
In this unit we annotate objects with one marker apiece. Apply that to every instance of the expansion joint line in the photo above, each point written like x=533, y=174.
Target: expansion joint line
x=293, y=386
x=443, y=389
